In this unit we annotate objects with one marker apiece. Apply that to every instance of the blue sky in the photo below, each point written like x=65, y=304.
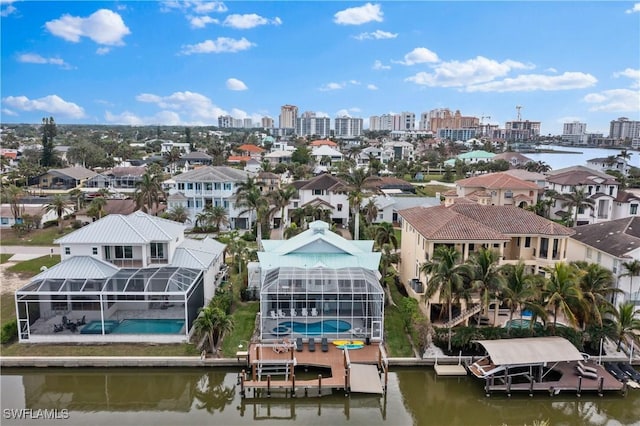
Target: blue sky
x=187, y=62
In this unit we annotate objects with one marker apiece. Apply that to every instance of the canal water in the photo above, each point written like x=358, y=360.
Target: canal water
x=211, y=397
x=566, y=156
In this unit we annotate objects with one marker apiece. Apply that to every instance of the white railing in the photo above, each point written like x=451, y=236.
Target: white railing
x=464, y=315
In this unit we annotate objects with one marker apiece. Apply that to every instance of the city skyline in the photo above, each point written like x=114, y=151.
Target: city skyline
x=187, y=63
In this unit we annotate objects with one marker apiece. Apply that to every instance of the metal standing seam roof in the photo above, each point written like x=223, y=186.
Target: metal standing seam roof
x=79, y=266
x=197, y=254
x=530, y=350
x=136, y=228
x=213, y=174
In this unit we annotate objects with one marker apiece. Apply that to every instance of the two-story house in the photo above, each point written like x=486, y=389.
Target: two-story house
x=514, y=233
x=325, y=191
x=64, y=179
x=600, y=187
x=612, y=163
x=118, y=179
x=209, y=185
x=495, y=189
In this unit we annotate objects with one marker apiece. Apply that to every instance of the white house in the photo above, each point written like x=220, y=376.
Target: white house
x=613, y=163
x=324, y=191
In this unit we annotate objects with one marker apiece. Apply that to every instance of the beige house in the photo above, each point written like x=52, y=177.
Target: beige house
x=516, y=234
x=495, y=189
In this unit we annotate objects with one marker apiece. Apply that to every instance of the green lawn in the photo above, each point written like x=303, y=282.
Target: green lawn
x=30, y=268
x=398, y=232
x=112, y=349
x=38, y=237
x=7, y=308
x=244, y=318
x=430, y=190
x=4, y=257
x=395, y=335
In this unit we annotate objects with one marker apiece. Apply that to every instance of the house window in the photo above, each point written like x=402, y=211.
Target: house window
x=588, y=253
x=198, y=204
x=527, y=242
x=508, y=194
x=611, y=190
x=208, y=186
x=123, y=252
x=225, y=204
x=198, y=186
x=94, y=251
x=633, y=209
x=157, y=251
x=227, y=187
x=4, y=220
x=181, y=186
x=317, y=192
x=339, y=207
x=67, y=250
x=295, y=204
x=216, y=186
x=189, y=204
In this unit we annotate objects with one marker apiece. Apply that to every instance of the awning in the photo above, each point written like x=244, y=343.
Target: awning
x=530, y=350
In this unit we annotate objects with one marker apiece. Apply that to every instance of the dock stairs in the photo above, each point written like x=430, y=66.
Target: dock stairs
x=467, y=313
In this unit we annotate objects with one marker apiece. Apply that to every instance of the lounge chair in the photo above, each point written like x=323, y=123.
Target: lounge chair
x=304, y=312
x=314, y=312
x=299, y=344
x=273, y=315
x=312, y=344
x=324, y=344
x=82, y=321
x=65, y=321
x=57, y=328
x=587, y=368
x=293, y=313
x=280, y=313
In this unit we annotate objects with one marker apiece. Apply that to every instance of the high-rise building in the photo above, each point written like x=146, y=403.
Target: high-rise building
x=247, y=123
x=348, y=127
x=382, y=122
x=308, y=124
x=405, y=121
x=521, y=130
x=225, y=121
x=288, y=117
x=623, y=128
x=443, y=119
x=267, y=122
x=575, y=133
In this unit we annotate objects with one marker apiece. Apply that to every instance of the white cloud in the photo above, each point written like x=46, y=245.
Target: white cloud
x=7, y=8
x=359, y=15
x=169, y=118
x=219, y=45
x=534, y=82
x=52, y=104
x=634, y=9
x=372, y=87
x=377, y=65
x=201, y=21
x=251, y=20
x=199, y=108
x=419, y=55
x=201, y=7
x=332, y=86
x=633, y=74
x=616, y=100
x=322, y=114
x=470, y=72
x=551, y=69
x=376, y=35
x=343, y=113
x=103, y=27
x=6, y=111
x=235, y=84
x=34, y=58
x=103, y=50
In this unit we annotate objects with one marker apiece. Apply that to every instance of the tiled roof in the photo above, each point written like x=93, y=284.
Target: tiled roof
x=509, y=156
x=526, y=175
x=238, y=158
x=626, y=196
x=320, y=142
x=250, y=148
x=616, y=237
x=579, y=175
x=325, y=182
x=316, y=202
x=136, y=228
x=126, y=206
x=213, y=174
x=497, y=181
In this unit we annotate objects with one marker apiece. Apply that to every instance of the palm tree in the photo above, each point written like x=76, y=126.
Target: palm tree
x=627, y=323
x=596, y=285
x=148, y=192
x=219, y=217
x=173, y=157
x=249, y=197
x=562, y=291
x=179, y=213
x=58, y=204
x=387, y=259
x=212, y=323
x=203, y=219
x=519, y=288
x=96, y=207
x=291, y=231
x=486, y=276
x=385, y=234
x=579, y=199
x=280, y=199
x=13, y=196
x=371, y=210
x=633, y=270
x=446, y=276
x=78, y=195
x=356, y=185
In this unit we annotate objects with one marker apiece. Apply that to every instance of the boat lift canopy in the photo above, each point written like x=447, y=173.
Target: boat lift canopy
x=530, y=350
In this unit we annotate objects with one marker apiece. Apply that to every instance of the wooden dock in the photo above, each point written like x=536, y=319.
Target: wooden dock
x=450, y=370
x=272, y=370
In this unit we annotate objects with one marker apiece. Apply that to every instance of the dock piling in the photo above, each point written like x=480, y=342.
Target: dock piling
x=579, y=386
x=319, y=384
x=268, y=385
x=600, y=386
x=293, y=385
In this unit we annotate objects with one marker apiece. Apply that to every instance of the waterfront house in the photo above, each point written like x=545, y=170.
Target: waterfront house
x=515, y=159
x=325, y=191
x=610, y=244
x=514, y=233
x=132, y=278
x=471, y=157
x=64, y=179
x=611, y=163
x=318, y=284
x=495, y=189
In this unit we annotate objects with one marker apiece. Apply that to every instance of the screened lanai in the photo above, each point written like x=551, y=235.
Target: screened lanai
x=343, y=303
x=109, y=305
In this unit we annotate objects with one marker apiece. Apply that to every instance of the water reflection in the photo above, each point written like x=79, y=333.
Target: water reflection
x=415, y=396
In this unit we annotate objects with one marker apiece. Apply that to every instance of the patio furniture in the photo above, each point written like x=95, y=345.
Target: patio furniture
x=312, y=344
x=57, y=328
x=293, y=313
x=273, y=314
x=324, y=344
x=280, y=313
x=304, y=312
x=314, y=312
x=82, y=321
x=65, y=321
x=299, y=344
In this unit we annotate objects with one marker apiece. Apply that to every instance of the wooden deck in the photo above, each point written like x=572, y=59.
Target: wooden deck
x=333, y=360
x=570, y=381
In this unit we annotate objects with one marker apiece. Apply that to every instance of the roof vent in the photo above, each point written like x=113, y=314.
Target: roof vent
x=318, y=227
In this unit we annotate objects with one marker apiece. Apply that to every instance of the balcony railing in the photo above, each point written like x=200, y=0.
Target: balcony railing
x=126, y=263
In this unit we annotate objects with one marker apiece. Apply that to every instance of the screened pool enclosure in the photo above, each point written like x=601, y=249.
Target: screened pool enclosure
x=129, y=305
x=346, y=303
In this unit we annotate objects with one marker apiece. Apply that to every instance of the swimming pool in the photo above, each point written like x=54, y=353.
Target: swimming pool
x=149, y=326
x=313, y=328
x=95, y=327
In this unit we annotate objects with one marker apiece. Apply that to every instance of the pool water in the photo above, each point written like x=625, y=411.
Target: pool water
x=95, y=327
x=149, y=326
x=313, y=328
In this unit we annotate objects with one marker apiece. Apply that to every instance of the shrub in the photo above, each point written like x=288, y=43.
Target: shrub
x=76, y=224
x=249, y=236
x=9, y=332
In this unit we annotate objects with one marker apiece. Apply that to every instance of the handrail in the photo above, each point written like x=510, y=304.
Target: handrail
x=464, y=315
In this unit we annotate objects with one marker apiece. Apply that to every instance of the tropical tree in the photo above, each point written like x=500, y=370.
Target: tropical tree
x=280, y=199
x=173, y=157
x=387, y=258
x=78, y=196
x=597, y=287
x=485, y=276
x=385, y=234
x=219, y=217
x=212, y=323
x=249, y=198
x=96, y=207
x=577, y=200
x=356, y=185
x=179, y=213
x=562, y=291
x=519, y=288
x=371, y=210
x=148, y=192
x=58, y=204
x=13, y=196
x=446, y=276
x=633, y=270
x=627, y=323
x=291, y=231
